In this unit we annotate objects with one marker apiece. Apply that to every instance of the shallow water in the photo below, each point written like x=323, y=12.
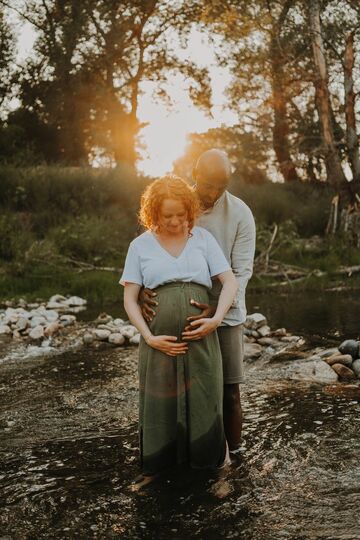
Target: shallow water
x=68, y=452
x=323, y=314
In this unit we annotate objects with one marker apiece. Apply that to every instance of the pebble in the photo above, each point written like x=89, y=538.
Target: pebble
x=74, y=301
x=252, y=350
x=117, y=339
x=135, y=340
x=255, y=321
x=264, y=330
x=343, y=371
x=5, y=329
x=102, y=335
x=52, y=329
x=22, y=323
x=345, y=359
x=88, y=338
x=37, y=332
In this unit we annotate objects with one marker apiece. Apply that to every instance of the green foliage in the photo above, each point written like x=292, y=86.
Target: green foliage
x=306, y=205
x=15, y=237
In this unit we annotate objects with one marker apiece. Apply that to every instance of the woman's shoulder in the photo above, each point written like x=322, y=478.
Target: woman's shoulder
x=201, y=232
x=140, y=240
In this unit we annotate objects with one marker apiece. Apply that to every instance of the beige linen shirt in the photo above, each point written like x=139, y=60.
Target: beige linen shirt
x=231, y=222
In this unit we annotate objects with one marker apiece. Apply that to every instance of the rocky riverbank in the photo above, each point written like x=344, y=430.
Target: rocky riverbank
x=50, y=327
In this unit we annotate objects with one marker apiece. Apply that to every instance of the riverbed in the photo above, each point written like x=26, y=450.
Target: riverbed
x=69, y=451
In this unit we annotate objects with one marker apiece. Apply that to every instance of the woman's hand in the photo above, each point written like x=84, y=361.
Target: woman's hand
x=167, y=345
x=202, y=327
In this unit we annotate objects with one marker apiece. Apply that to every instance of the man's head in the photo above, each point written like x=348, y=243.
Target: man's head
x=212, y=175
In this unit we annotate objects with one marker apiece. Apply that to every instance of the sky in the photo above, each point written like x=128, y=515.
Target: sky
x=164, y=137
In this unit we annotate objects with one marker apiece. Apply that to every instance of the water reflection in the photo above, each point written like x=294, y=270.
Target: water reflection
x=70, y=475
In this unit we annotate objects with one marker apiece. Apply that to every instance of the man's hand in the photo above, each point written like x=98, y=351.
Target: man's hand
x=206, y=312
x=203, y=327
x=146, y=300
x=167, y=345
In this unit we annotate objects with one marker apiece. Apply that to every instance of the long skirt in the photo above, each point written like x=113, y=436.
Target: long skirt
x=180, y=398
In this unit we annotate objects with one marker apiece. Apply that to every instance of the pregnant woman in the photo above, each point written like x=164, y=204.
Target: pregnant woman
x=181, y=384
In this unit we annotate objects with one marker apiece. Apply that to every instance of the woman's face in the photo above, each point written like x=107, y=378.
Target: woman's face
x=173, y=218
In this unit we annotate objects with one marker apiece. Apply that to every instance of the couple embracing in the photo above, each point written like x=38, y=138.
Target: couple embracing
x=185, y=280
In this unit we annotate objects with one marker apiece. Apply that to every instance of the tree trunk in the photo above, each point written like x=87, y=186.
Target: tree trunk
x=335, y=173
x=281, y=143
x=351, y=135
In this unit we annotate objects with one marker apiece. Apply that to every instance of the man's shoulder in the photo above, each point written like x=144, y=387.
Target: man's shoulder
x=238, y=205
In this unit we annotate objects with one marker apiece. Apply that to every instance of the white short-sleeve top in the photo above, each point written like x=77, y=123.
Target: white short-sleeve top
x=149, y=264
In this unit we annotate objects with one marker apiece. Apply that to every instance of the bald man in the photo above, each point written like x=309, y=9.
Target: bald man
x=231, y=222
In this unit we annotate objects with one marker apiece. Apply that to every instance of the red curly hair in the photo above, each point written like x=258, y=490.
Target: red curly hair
x=168, y=187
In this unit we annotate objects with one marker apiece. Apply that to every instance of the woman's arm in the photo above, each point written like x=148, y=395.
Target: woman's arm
x=205, y=326
x=164, y=344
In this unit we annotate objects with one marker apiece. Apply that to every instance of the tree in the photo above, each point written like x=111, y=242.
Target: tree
x=91, y=59
x=335, y=173
x=7, y=42
x=247, y=153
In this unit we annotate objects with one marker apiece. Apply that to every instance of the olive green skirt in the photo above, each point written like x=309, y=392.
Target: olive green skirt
x=180, y=398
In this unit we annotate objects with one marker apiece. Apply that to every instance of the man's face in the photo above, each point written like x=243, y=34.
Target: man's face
x=209, y=190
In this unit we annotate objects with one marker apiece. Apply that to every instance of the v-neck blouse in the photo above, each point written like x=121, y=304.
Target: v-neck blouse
x=149, y=264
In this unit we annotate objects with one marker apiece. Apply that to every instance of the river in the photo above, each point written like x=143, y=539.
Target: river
x=68, y=448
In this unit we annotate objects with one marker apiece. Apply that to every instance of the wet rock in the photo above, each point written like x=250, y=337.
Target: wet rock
x=117, y=339
x=255, y=321
x=106, y=327
x=328, y=352
x=350, y=346
x=59, y=298
x=75, y=301
x=37, y=321
x=102, y=335
x=270, y=342
x=345, y=359
x=315, y=370
x=52, y=329
x=290, y=339
x=280, y=332
x=51, y=315
x=135, y=340
x=103, y=318
x=264, y=330
x=5, y=329
x=349, y=391
x=37, y=332
x=343, y=371
x=88, y=338
x=356, y=368
x=67, y=320
x=289, y=355
x=22, y=324
x=129, y=331
x=56, y=305
x=252, y=350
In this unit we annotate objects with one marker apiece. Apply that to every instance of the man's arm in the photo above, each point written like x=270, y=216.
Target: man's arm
x=243, y=251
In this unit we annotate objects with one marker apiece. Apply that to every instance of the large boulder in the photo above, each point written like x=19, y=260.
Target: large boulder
x=314, y=369
x=350, y=346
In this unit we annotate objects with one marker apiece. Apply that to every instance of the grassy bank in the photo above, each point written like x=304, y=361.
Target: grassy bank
x=55, y=222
